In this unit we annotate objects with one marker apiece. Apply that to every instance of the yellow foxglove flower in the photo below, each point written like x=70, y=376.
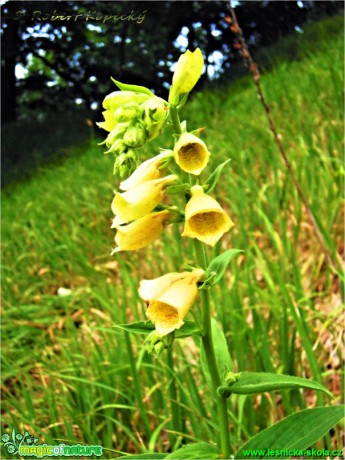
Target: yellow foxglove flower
x=141, y=232
x=188, y=71
x=148, y=170
x=191, y=154
x=139, y=200
x=170, y=298
x=205, y=219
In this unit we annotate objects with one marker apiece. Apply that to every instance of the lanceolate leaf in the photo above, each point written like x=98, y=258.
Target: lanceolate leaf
x=258, y=382
x=199, y=450
x=298, y=431
x=189, y=328
x=217, y=267
x=174, y=189
x=145, y=327
x=221, y=350
x=134, y=88
x=140, y=327
x=214, y=177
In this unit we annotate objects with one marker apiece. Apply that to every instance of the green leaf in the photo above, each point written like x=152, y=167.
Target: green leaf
x=217, y=267
x=298, y=431
x=258, y=382
x=189, y=328
x=140, y=327
x=134, y=88
x=223, y=358
x=174, y=189
x=214, y=177
x=144, y=456
x=145, y=327
x=200, y=450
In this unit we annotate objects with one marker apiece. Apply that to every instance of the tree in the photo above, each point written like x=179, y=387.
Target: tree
x=70, y=49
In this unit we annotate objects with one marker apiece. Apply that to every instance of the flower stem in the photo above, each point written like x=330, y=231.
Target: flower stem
x=175, y=408
x=175, y=119
x=207, y=342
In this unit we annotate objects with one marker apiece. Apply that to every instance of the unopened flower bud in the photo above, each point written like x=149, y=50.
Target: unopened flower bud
x=155, y=343
x=128, y=112
x=125, y=163
x=117, y=99
x=122, y=170
x=155, y=109
x=135, y=136
x=132, y=155
x=155, y=115
x=117, y=133
x=188, y=71
x=117, y=147
x=121, y=159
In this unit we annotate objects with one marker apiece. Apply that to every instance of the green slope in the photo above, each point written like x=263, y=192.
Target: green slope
x=67, y=372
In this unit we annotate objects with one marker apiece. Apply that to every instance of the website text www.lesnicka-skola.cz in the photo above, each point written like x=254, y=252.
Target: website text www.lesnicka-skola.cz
x=290, y=453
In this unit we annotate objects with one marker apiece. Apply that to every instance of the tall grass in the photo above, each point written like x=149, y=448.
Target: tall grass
x=70, y=376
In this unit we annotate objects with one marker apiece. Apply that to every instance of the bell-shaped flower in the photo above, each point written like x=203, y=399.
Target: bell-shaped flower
x=170, y=298
x=187, y=73
x=149, y=170
x=191, y=154
x=141, y=232
x=204, y=218
x=139, y=200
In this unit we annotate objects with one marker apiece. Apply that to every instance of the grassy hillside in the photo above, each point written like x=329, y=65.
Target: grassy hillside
x=69, y=375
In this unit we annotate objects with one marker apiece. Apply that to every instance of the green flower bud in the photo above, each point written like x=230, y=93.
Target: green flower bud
x=128, y=112
x=187, y=73
x=117, y=133
x=155, y=109
x=118, y=147
x=126, y=162
x=155, y=343
x=232, y=377
x=133, y=155
x=122, y=170
x=155, y=115
x=117, y=99
x=135, y=136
